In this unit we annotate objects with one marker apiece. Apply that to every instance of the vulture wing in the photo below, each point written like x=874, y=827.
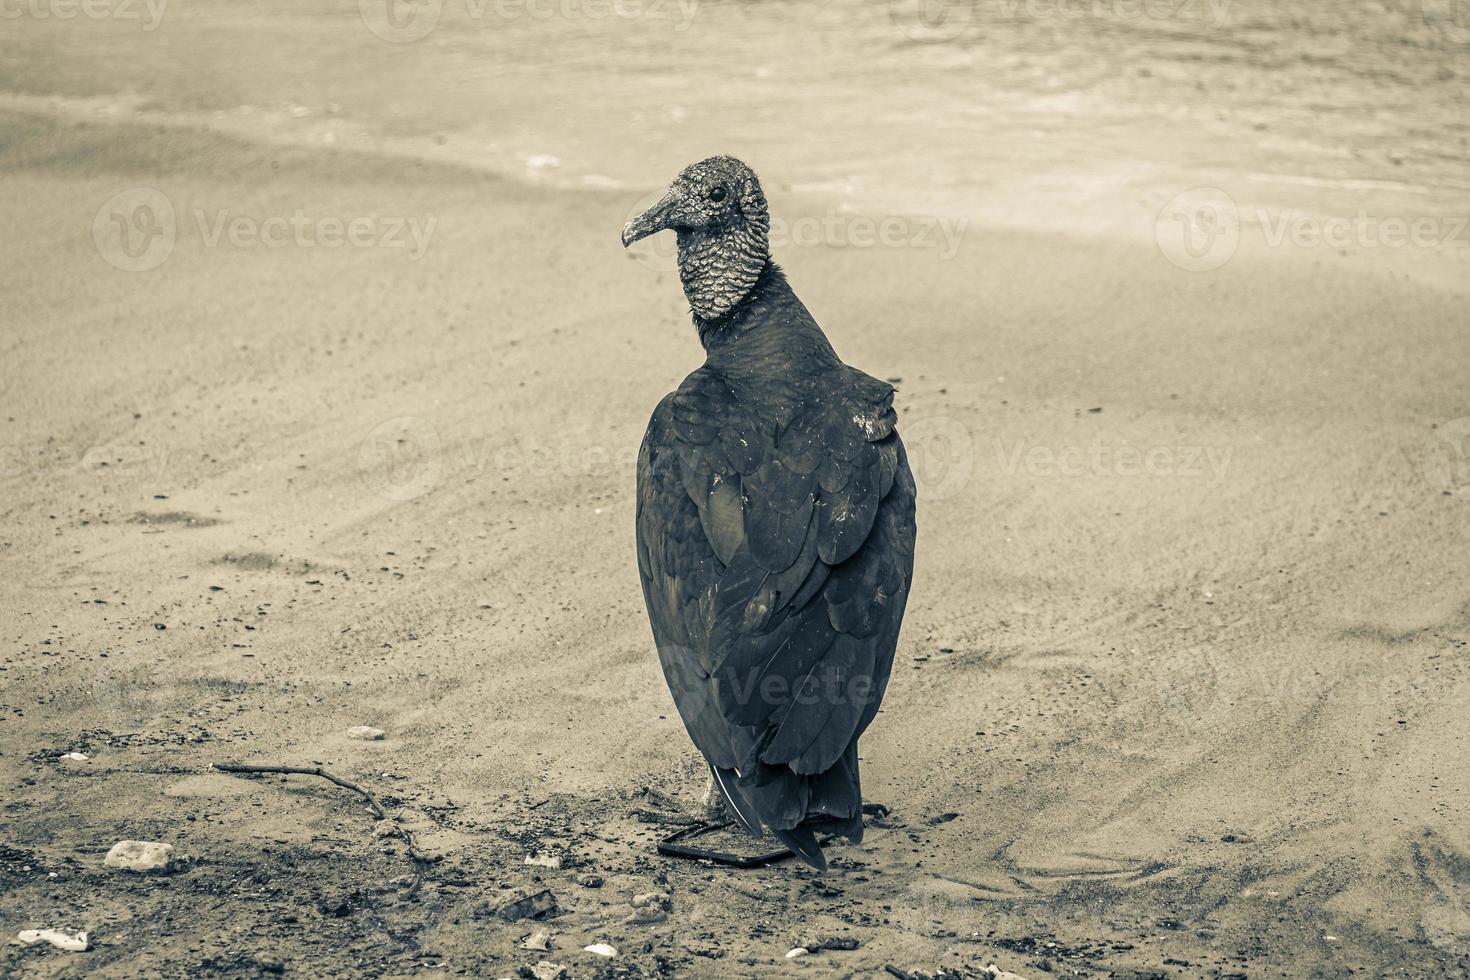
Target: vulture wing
x=775, y=544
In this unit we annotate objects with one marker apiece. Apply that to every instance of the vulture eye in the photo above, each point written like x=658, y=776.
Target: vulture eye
x=717, y=195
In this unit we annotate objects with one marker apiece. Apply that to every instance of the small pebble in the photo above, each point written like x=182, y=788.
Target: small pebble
x=139, y=855
x=366, y=733
x=601, y=949
x=528, y=906
x=71, y=942
x=830, y=942
x=652, y=899
x=993, y=972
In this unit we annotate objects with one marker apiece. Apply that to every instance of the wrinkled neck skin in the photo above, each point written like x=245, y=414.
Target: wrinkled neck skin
x=769, y=282
x=719, y=266
x=768, y=331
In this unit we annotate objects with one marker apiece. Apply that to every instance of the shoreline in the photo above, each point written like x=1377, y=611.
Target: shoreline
x=1404, y=230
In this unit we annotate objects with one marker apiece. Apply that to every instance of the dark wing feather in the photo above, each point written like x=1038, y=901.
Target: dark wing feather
x=679, y=568
x=775, y=541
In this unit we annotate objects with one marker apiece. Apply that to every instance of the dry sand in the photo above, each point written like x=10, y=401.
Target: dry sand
x=1182, y=690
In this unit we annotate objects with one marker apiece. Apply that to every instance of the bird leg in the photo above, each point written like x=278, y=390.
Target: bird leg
x=712, y=803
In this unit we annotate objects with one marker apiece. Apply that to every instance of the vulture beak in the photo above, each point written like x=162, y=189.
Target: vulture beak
x=660, y=217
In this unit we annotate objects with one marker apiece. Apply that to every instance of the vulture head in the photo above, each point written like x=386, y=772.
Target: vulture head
x=718, y=211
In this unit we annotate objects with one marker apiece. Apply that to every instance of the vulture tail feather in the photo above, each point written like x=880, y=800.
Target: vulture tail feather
x=803, y=844
x=736, y=803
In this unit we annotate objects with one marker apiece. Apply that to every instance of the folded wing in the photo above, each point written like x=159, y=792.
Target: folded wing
x=775, y=543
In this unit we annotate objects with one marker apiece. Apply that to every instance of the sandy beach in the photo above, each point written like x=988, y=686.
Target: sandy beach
x=301, y=437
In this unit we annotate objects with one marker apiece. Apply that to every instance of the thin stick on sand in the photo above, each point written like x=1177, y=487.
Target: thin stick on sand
x=419, y=857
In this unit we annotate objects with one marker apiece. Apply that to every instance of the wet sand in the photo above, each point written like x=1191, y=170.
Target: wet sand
x=1181, y=691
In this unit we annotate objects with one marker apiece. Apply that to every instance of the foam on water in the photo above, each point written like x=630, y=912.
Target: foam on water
x=1055, y=113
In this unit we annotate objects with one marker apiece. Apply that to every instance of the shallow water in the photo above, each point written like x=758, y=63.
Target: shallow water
x=1035, y=111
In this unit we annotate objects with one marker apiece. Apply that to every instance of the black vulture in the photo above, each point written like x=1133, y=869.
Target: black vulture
x=775, y=526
